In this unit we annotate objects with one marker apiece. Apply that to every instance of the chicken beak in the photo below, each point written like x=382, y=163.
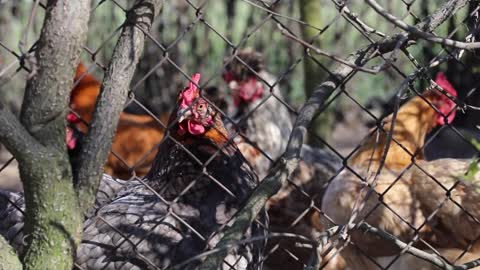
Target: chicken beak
x=183, y=114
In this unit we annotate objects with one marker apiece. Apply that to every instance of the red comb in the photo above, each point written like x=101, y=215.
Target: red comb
x=72, y=118
x=442, y=80
x=447, y=108
x=192, y=92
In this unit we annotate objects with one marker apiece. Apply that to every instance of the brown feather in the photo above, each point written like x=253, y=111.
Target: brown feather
x=414, y=121
x=137, y=136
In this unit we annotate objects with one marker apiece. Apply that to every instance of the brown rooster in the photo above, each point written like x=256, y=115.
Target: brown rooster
x=404, y=199
x=137, y=136
x=265, y=123
x=198, y=182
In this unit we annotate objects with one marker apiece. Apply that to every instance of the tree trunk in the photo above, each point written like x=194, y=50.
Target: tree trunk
x=314, y=74
x=53, y=220
x=8, y=258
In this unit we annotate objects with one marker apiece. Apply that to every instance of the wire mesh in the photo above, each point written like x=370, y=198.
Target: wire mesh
x=379, y=198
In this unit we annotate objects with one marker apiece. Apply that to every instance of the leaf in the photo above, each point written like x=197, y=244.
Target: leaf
x=473, y=169
x=475, y=143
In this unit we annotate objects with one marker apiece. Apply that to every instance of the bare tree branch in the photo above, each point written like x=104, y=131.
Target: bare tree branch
x=428, y=24
x=268, y=187
x=418, y=33
x=112, y=99
x=348, y=14
x=324, y=53
x=15, y=137
x=426, y=256
x=421, y=254
x=47, y=93
x=282, y=170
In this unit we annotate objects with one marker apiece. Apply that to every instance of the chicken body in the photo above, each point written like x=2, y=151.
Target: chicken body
x=262, y=117
x=183, y=214
x=266, y=124
x=135, y=145
x=414, y=121
x=12, y=209
x=413, y=204
x=156, y=226
x=404, y=200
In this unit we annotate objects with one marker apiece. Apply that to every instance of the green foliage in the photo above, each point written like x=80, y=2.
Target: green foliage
x=473, y=169
x=474, y=166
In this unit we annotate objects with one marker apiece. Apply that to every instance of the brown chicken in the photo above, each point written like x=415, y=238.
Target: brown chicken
x=404, y=200
x=137, y=137
x=83, y=97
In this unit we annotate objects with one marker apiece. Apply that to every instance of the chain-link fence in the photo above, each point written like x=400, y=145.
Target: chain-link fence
x=388, y=179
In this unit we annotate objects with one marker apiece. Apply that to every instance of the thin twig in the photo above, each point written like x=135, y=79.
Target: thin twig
x=16, y=138
x=429, y=257
x=321, y=52
x=30, y=58
x=421, y=254
x=346, y=12
x=359, y=206
x=417, y=32
x=219, y=248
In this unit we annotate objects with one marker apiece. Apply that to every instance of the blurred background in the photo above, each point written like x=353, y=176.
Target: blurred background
x=196, y=36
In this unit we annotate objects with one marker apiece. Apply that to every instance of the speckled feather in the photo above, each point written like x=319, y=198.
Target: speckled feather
x=157, y=235
x=156, y=225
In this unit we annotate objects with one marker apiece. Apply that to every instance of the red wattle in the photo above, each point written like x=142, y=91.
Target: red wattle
x=191, y=126
x=447, y=105
x=71, y=140
x=249, y=91
x=195, y=128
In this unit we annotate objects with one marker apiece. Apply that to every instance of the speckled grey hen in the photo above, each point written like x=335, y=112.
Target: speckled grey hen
x=181, y=212
x=260, y=114
x=199, y=180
